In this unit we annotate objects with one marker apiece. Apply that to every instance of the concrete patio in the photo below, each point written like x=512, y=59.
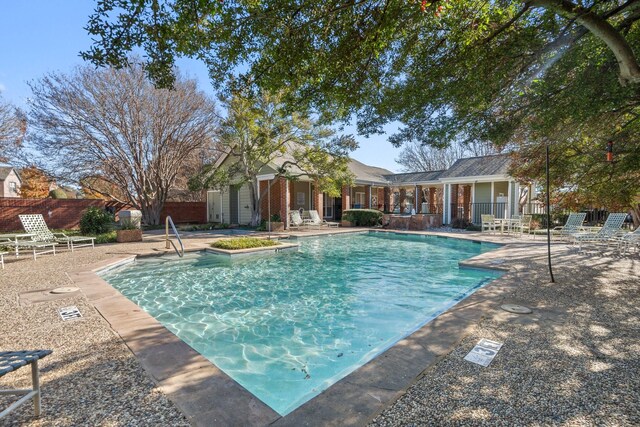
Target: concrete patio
x=573, y=361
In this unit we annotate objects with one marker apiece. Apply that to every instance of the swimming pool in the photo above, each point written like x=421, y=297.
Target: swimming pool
x=286, y=326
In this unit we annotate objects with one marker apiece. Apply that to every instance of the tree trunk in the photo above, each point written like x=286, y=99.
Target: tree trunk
x=635, y=214
x=255, y=203
x=151, y=212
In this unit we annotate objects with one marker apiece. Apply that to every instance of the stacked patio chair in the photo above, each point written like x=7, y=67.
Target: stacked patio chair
x=316, y=221
x=35, y=224
x=611, y=228
x=488, y=223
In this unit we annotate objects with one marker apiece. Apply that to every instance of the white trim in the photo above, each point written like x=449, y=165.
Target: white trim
x=509, y=210
x=266, y=177
x=480, y=178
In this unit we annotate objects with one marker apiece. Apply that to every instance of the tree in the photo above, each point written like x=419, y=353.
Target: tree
x=258, y=132
x=35, y=183
x=507, y=72
x=13, y=126
x=112, y=126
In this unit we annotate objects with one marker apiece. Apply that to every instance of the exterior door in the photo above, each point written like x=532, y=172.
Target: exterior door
x=213, y=206
x=233, y=205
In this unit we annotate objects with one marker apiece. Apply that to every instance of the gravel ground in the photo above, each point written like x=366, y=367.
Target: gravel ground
x=575, y=361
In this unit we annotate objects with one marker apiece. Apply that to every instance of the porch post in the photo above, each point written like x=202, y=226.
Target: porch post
x=346, y=198
x=466, y=201
x=418, y=199
x=318, y=201
x=445, y=204
x=492, y=199
x=386, y=203
x=403, y=196
x=283, y=185
x=454, y=201
x=367, y=197
x=509, y=211
x=473, y=201
x=432, y=200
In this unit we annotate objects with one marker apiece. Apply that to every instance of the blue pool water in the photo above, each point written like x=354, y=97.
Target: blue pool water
x=286, y=326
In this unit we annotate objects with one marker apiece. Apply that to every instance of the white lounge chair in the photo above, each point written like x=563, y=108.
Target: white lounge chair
x=612, y=226
x=2, y=254
x=624, y=242
x=315, y=220
x=35, y=225
x=295, y=220
x=571, y=226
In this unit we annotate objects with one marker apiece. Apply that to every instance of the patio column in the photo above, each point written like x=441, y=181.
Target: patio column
x=318, y=201
x=367, y=197
x=283, y=190
x=387, y=202
x=403, y=196
x=446, y=206
x=454, y=201
x=432, y=200
x=418, y=199
x=346, y=198
x=466, y=201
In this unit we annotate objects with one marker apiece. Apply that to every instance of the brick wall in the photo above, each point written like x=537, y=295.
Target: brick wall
x=66, y=213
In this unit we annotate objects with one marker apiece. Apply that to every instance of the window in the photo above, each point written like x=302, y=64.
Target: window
x=328, y=206
x=358, y=201
x=13, y=187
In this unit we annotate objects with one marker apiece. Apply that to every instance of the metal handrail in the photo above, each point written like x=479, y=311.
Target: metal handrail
x=166, y=235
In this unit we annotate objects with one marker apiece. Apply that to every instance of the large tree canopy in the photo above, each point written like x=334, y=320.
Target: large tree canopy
x=13, y=126
x=505, y=72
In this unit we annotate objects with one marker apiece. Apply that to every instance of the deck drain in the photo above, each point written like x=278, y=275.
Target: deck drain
x=517, y=309
x=69, y=313
x=64, y=290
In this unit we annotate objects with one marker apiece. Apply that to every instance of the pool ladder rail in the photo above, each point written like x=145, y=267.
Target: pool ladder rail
x=169, y=242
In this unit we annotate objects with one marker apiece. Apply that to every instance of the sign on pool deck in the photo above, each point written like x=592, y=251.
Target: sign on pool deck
x=484, y=352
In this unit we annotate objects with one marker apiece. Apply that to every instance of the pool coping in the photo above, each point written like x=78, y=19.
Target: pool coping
x=207, y=395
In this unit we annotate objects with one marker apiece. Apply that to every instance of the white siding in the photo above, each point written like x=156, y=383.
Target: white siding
x=244, y=212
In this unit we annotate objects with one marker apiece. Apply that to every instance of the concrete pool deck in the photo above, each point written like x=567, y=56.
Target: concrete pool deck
x=94, y=357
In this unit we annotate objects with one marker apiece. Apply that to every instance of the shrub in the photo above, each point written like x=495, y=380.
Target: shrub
x=58, y=193
x=243, y=243
x=109, y=237
x=96, y=221
x=363, y=217
x=473, y=227
x=459, y=223
x=127, y=224
x=276, y=218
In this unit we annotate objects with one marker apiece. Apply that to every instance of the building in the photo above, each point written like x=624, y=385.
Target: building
x=10, y=182
x=469, y=188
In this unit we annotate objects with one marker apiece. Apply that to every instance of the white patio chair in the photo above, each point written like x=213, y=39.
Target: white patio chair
x=35, y=224
x=611, y=228
x=488, y=223
x=2, y=254
x=625, y=242
x=571, y=226
x=315, y=220
x=295, y=220
x=28, y=241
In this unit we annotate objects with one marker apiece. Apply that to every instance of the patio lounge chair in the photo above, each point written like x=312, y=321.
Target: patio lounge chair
x=295, y=220
x=317, y=221
x=624, y=242
x=525, y=224
x=13, y=360
x=610, y=229
x=572, y=226
x=488, y=223
x=2, y=254
x=28, y=241
x=35, y=224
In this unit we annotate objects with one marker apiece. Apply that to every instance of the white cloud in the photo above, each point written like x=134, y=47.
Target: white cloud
x=2, y=88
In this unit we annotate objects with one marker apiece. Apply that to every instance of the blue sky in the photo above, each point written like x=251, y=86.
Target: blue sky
x=40, y=36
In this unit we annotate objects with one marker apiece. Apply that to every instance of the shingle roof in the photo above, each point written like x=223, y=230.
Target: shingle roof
x=413, y=177
x=4, y=172
x=369, y=174
x=479, y=166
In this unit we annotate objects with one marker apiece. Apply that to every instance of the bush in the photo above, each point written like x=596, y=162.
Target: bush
x=58, y=193
x=127, y=224
x=109, y=237
x=460, y=223
x=243, y=243
x=96, y=221
x=473, y=227
x=363, y=217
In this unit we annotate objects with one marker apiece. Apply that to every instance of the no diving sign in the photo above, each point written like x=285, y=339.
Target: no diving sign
x=484, y=352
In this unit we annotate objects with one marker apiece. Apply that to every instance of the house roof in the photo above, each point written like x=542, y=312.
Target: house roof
x=497, y=164
x=413, y=177
x=5, y=171
x=368, y=174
